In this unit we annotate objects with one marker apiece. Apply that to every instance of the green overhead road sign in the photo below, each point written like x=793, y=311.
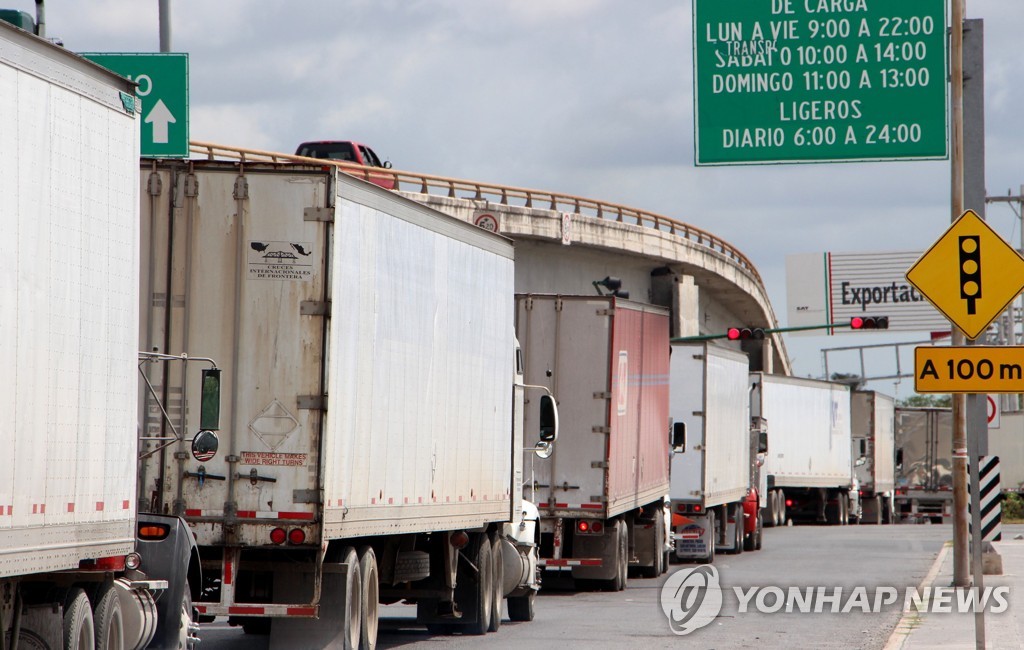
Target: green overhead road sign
x=162, y=80
x=786, y=81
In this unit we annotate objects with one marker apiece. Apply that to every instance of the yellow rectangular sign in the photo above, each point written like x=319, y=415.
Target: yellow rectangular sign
x=969, y=369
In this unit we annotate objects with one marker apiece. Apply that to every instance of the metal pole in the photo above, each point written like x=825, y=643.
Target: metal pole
x=961, y=564
x=165, y=25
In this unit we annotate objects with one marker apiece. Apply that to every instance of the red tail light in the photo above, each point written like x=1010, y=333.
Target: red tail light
x=296, y=536
x=696, y=508
x=278, y=535
x=597, y=527
x=115, y=563
x=459, y=539
x=583, y=526
x=153, y=532
x=789, y=503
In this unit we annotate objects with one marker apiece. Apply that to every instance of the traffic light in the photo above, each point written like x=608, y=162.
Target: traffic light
x=869, y=323
x=744, y=333
x=970, y=270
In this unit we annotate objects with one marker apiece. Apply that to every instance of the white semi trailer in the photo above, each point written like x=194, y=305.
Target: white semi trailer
x=873, y=418
x=79, y=568
x=373, y=443
x=715, y=461
x=808, y=466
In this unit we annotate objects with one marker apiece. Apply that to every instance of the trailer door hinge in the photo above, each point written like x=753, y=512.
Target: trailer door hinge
x=698, y=447
x=191, y=186
x=696, y=493
x=312, y=402
x=598, y=499
x=698, y=356
x=315, y=308
x=601, y=430
x=698, y=414
x=241, y=188
x=154, y=185
x=318, y=214
x=599, y=464
x=605, y=312
x=600, y=395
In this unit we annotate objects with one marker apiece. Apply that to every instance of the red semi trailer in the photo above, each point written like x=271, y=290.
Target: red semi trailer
x=602, y=494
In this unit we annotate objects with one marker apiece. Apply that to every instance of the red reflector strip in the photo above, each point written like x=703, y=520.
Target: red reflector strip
x=302, y=611
x=689, y=536
x=246, y=610
x=592, y=506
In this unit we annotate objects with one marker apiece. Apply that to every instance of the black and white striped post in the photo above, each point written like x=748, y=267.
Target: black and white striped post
x=991, y=509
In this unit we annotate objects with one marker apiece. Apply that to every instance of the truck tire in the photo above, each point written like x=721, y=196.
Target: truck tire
x=750, y=543
x=79, y=631
x=622, y=556
x=770, y=511
x=738, y=536
x=108, y=620
x=759, y=533
x=657, y=552
x=780, y=499
x=369, y=594
x=353, y=600
x=714, y=536
x=479, y=588
x=520, y=608
x=498, y=581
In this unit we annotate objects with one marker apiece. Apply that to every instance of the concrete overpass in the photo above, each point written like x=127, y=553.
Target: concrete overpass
x=564, y=243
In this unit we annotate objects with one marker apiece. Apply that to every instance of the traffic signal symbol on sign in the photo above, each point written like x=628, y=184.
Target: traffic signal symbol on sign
x=970, y=274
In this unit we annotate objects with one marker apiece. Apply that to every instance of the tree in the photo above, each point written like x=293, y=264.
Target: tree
x=945, y=401
x=855, y=382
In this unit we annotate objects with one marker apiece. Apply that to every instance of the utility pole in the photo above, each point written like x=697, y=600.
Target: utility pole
x=165, y=25
x=961, y=564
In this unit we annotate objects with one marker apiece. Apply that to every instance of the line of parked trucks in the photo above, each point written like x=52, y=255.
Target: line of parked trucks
x=341, y=402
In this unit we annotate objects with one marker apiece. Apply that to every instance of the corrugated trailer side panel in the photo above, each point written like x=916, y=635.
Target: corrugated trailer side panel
x=809, y=438
x=885, y=443
x=566, y=347
x=68, y=289
x=418, y=432
x=638, y=444
x=709, y=393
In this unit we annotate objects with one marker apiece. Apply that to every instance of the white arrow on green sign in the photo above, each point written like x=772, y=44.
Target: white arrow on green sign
x=162, y=80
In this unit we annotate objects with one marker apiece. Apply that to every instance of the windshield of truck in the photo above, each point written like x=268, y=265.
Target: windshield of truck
x=330, y=150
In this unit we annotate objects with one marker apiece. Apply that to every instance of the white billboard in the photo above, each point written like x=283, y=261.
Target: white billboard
x=823, y=288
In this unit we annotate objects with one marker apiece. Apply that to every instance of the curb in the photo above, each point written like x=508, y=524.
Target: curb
x=911, y=617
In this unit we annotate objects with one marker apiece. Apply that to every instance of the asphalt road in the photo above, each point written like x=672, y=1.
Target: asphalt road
x=849, y=557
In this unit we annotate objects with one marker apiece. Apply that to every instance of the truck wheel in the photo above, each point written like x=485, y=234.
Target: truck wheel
x=353, y=630
x=520, y=608
x=750, y=543
x=189, y=632
x=844, y=509
x=657, y=552
x=498, y=581
x=759, y=533
x=714, y=536
x=79, y=632
x=108, y=620
x=738, y=536
x=770, y=511
x=623, y=556
x=477, y=589
x=369, y=594
x=780, y=497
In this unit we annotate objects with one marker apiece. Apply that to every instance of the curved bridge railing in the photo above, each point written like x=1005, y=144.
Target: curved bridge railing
x=501, y=194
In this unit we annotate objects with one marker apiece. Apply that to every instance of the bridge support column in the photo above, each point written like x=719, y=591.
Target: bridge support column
x=685, y=307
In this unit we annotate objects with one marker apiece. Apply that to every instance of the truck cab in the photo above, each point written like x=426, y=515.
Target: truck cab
x=350, y=152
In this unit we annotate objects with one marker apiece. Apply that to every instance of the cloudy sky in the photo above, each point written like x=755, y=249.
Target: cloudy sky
x=586, y=97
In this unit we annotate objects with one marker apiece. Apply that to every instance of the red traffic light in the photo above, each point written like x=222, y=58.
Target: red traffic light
x=869, y=323
x=744, y=333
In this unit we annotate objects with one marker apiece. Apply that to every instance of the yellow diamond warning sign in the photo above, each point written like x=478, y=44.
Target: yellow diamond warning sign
x=970, y=274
